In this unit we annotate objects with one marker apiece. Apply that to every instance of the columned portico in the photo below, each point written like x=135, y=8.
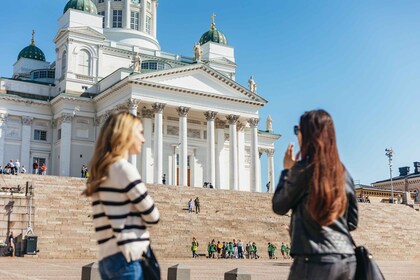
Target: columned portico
x=3, y=120
x=146, y=153
x=270, y=165
x=158, y=145
x=26, y=141
x=253, y=122
x=65, y=122
x=132, y=108
x=211, y=156
x=183, y=147
x=233, y=151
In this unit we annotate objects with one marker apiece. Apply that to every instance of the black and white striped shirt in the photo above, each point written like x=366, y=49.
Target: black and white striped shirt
x=121, y=210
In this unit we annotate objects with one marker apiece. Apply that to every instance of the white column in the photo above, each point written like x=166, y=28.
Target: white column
x=253, y=122
x=132, y=108
x=65, y=144
x=26, y=141
x=241, y=156
x=220, y=162
x=183, y=147
x=211, y=156
x=154, y=17
x=53, y=162
x=270, y=165
x=158, y=145
x=108, y=14
x=173, y=177
x=3, y=121
x=233, y=152
x=127, y=14
x=143, y=16
x=146, y=153
x=259, y=189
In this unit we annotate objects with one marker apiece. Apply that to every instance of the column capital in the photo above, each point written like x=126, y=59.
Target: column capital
x=96, y=121
x=54, y=124
x=105, y=116
x=158, y=107
x=232, y=119
x=220, y=124
x=253, y=122
x=65, y=118
x=133, y=103
x=182, y=111
x=147, y=113
x=270, y=152
x=210, y=115
x=3, y=117
x=27, y=120
x=240, y=126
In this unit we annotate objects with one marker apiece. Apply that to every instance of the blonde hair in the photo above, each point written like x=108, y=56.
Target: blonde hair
x=114, y=140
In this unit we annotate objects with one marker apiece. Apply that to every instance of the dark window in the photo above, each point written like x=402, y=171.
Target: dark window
x=40, y=135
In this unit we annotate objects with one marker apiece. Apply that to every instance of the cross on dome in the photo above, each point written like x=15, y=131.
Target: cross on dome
x=213, y=24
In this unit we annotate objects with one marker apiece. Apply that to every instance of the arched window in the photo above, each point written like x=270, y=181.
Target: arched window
x=83, y=63
x=63, y=63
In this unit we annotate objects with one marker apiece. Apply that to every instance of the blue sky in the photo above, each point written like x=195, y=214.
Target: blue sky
x=359, y=60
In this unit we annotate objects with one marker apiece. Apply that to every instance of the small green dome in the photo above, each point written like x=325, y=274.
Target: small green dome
x=82, y=5
x=213, y=35
x=32, y=51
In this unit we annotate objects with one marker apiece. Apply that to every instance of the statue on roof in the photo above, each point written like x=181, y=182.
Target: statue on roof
x=198, y=52
x=252, y=85
x=269, y=124
x=136, y=66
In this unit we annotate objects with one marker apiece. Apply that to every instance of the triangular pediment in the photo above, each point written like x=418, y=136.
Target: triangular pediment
x=82, y=30
x=202, y=79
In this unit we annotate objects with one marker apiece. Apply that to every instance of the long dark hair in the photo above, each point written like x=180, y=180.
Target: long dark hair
x=327, y=197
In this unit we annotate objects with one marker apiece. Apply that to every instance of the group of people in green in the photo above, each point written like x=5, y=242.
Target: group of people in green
x=272, y=250
x=237, y=250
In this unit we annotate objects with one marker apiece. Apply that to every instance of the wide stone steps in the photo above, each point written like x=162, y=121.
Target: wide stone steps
x=62, y=220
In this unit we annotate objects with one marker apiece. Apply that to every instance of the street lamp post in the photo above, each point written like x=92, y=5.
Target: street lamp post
x=389, y=153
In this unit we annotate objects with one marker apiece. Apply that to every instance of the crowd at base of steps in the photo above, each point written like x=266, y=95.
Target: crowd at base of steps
x=237, y=250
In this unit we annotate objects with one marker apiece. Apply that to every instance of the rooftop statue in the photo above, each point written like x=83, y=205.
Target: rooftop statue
x=136, y=63
x=252, y=85
x=198, y=52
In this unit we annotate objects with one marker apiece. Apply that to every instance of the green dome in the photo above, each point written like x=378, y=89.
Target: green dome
x=32, y=51
x=213, y=35
x=82, y=5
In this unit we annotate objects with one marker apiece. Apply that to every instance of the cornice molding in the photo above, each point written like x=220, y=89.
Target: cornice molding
x=24, y=100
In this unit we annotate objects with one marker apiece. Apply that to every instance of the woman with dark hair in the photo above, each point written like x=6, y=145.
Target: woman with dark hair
x=321, y=194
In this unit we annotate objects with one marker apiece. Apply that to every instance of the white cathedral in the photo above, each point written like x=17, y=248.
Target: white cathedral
x=199, y=124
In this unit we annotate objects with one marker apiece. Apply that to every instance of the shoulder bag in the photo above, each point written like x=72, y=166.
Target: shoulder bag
x=150, y=265
x=366, y=268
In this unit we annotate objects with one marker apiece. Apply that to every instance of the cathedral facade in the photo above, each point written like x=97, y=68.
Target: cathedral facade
x=199, y=124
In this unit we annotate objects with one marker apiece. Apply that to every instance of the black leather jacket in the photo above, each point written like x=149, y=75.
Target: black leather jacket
x=308, y=237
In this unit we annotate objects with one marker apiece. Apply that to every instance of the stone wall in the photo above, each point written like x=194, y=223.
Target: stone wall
x=63, y=224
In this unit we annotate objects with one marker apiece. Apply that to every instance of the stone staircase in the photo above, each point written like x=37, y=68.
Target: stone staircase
x=62, y=222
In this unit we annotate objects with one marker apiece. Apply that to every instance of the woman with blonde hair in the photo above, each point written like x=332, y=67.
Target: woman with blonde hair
x=122, y=208
x=321, y=194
